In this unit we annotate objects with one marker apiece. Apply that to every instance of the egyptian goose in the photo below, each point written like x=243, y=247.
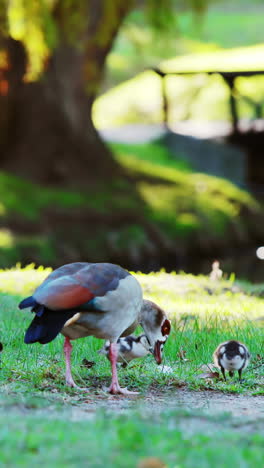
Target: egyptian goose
x=94, y=299
x=129, y=348
x=231, y=355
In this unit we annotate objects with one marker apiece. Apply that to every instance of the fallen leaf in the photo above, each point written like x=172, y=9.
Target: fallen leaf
x=208, y=375
x=151, y=462
x=87, y=364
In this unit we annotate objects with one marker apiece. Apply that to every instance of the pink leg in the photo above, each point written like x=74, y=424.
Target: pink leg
x=115, y=387
x=67, y=348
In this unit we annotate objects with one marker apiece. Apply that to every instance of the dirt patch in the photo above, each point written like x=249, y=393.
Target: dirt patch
x=215, y=403
x=208, y=402
x=192, y=412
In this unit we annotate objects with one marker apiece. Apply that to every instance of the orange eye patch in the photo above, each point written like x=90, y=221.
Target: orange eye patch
x=166, y=327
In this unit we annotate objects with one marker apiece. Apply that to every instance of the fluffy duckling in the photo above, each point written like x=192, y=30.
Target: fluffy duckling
x=129, y=348
x=231, y=356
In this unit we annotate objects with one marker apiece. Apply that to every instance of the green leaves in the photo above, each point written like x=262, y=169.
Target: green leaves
x=32, y=23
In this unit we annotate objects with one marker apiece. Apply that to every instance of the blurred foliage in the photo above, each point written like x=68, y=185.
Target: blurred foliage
x=31, y=22
x=184, y=202
x=183, y=205
x=22, y=198
x=41, y=24
x=224, y=24
x=151, y=26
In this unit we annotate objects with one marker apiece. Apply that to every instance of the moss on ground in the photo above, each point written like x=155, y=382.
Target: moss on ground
x=160, y=202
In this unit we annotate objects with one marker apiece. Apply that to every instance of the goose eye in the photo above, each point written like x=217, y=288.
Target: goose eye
x=166, y=327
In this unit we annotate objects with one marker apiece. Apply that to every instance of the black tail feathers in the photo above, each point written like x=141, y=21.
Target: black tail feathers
x=28, y=302
x=46, y=325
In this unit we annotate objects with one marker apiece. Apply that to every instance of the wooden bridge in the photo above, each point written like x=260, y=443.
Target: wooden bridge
x=229, y=77
x=251, y=140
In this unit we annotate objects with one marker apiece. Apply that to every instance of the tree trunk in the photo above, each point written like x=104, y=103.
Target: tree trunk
x=46, y=130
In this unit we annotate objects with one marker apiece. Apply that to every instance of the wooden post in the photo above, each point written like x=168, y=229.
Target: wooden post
x=164, y=97
x=165, y=102
x=230, y=81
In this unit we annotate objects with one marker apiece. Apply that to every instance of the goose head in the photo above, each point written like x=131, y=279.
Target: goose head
x=156, y=326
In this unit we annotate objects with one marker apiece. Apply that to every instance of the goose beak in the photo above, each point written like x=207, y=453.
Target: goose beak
x=157, y=352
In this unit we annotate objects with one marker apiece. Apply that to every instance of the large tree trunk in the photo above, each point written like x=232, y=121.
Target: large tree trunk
x=46, y=129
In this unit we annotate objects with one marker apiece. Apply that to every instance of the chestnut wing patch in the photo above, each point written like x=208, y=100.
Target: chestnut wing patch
x=82, y=283
x=62, y=293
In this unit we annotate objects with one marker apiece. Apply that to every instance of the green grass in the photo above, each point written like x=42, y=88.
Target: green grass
x=22, y=198
x=155, y=153
x=123, y=441
x=180, y=201
x=203, y=314
x=44, y=421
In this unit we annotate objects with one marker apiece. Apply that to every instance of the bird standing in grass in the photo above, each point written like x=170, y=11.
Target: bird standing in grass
x=129, y=348
x=94, y=299
x=216, y=273
x=231, y=356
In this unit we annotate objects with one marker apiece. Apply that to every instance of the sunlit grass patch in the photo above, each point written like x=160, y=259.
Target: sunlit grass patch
x=27, y=200
x=155, y=153
x=203, y=314
x=22, y=281
x=180, y=200
x=44, y=420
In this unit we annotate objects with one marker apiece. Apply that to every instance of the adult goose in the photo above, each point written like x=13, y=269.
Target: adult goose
x=94, y=299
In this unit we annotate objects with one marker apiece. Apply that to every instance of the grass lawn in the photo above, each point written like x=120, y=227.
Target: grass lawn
x=43, y=422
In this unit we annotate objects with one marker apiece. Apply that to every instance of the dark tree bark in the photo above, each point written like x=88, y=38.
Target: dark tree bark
x=46, y=130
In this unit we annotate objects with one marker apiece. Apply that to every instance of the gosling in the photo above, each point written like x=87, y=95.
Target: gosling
x=231, y=356
x=129, y=348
